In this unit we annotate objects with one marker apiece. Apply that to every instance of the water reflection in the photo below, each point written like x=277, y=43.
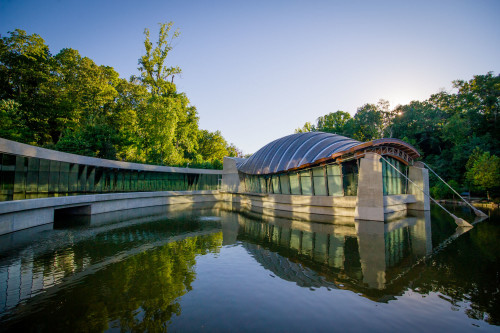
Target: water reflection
x=132, y=270
x=362, y=256
x=382, y=261
x=142, y=264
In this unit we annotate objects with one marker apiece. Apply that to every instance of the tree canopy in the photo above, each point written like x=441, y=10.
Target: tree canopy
x=446, y=128
x=67, y=102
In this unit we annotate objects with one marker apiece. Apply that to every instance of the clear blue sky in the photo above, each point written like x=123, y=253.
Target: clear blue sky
x=256, y=70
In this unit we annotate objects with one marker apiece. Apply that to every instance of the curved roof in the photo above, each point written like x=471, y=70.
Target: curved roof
x=302, y=149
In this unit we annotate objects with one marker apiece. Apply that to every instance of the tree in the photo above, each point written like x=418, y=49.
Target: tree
x=154, y=71
x=308, y=127
x=368, y=123
x=212, y=146
x=483, y=170
x=24, y=70
x=11, y=124
x=67, y=102
x=333, y=122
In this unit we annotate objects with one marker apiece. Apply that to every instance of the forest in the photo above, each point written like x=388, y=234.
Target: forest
x=457, y=133
x=69, y=103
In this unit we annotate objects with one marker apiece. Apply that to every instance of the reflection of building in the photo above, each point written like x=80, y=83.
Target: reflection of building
x=329, y=174
x=368, y=257
x=35, y=262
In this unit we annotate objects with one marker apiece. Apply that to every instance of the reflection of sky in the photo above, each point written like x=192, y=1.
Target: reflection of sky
x=287, y=62
x=246, y=295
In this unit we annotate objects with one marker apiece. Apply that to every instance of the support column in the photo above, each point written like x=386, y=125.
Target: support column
x=370, y=201
x=420, y=176
x=230, y=177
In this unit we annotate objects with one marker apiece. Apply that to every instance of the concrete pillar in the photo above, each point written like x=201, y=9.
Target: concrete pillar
x=420, y=176
x=370, y=200
x=372, y=254
x=230, y=177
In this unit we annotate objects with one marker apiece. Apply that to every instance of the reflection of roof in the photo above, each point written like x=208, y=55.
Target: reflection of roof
x=297, y=150
x=286, y=269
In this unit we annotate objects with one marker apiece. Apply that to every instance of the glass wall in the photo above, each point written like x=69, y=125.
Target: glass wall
x=30, y=177
x=327, y=180
x=394, y=182
x=350, y=178
x=324, y=180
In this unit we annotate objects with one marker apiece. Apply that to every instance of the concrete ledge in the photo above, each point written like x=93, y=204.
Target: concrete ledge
x=23, y=214
x=76, y=200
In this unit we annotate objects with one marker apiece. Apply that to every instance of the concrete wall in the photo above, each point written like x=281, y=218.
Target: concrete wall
x=23, y=214
x=420, y=176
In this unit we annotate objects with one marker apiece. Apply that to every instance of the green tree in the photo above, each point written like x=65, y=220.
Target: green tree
x=308, y=127
x=483, y=171
x=11, y=124
x=154, y=71
x=333, y=122
x=368, y=123
x=24, y=70
x=212, y=145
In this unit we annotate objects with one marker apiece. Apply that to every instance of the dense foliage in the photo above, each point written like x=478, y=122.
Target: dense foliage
x=446, y=129
x=67, y=102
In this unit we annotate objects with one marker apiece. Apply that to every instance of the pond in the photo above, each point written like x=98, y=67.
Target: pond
x=212, y=269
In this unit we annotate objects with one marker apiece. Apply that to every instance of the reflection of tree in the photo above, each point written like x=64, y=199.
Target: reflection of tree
x=140, y=293
x=467, y=271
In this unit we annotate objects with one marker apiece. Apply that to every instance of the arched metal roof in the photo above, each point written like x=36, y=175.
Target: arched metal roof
x=301, y=149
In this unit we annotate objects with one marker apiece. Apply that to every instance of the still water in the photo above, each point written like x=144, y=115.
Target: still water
x=212, y=269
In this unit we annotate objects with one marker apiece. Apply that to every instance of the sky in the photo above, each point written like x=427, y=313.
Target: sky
x=257, y=70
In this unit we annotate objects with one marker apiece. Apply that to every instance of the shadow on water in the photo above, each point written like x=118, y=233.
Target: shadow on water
x=130, y=269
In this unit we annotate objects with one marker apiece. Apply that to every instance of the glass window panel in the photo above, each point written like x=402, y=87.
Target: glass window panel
x=54, y=176
x=285, y=184
x=276, y=184
x=334, y=176
x=98, y=179
x=294, y=183
x=156, y=181
x=114, y=180
x=305, y=181
x=63, y=177
x=73, y=177
x=82, y=178
x=90, y=178
x=20, y=177
x=319, y=181
x=263, y=182
x=133, y=180
x=350, y=178
x=147, y=179
x=8, y=174
x=32, y=177
x=43, y=176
